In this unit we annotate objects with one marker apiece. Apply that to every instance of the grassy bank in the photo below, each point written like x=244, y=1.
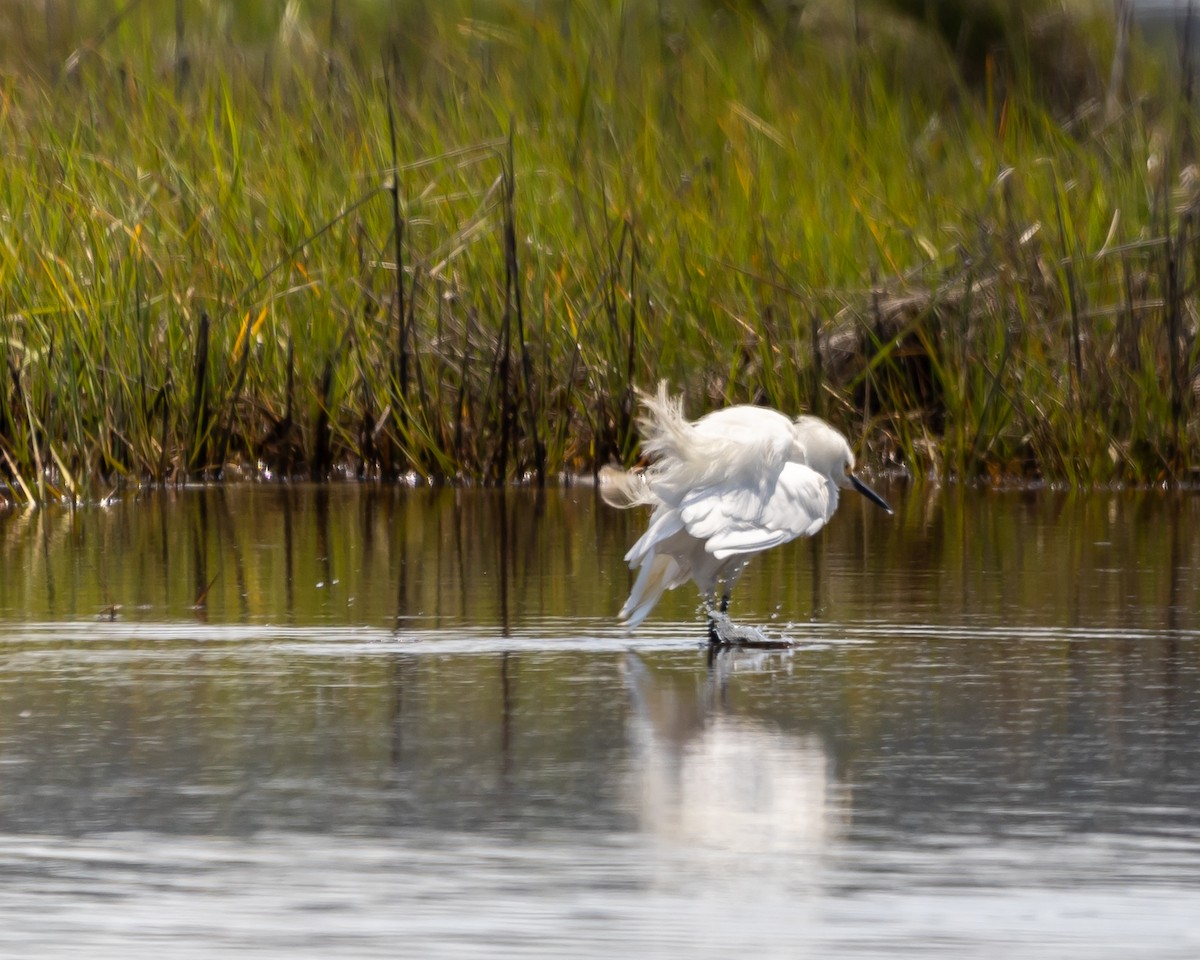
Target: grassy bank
x=451, y=239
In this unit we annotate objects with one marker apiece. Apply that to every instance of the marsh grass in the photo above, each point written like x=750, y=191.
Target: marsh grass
x=451, y=241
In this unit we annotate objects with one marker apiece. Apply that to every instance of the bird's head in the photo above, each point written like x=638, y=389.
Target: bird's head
x=824, y=449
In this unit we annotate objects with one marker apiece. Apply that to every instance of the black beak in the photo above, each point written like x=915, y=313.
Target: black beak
x=870, y=494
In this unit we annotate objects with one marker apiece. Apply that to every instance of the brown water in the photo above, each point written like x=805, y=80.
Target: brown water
x=325, y=722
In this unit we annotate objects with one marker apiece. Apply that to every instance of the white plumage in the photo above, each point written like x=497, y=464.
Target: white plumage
x=723, y=488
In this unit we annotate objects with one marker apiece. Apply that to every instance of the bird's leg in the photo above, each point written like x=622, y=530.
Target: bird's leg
x=724, y=634
x=717, y=614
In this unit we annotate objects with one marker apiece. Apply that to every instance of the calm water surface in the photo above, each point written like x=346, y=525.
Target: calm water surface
x=338, y=722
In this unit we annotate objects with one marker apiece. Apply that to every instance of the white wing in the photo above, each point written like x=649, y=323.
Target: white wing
x=733, y=518
x=735, y=446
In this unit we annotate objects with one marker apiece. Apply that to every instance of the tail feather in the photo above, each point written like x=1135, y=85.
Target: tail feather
x=656, y=576
x=665, y=555
x=665, y=431
x=624, y=488
x=667, y=438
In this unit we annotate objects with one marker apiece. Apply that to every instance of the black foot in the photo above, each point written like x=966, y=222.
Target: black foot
x=724, y=634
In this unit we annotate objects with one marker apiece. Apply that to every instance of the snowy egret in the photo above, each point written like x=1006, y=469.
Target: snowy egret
x=723, y=488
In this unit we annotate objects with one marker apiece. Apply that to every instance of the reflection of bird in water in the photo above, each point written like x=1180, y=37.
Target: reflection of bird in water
x=708, y=783
x=723, y=488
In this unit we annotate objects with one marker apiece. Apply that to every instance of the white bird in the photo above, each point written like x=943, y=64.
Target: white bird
x=723, y=488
